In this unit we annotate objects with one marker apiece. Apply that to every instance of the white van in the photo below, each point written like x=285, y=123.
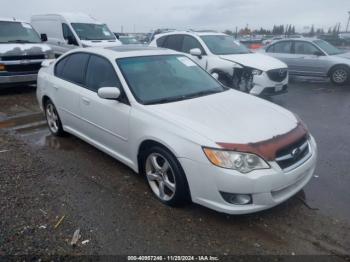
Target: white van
x=66, y=31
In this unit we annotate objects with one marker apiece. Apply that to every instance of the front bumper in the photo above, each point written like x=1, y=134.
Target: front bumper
x=8, y=80
x=268, y=187
x=264, y=86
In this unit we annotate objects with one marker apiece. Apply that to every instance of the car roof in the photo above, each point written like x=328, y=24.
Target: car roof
x=197, y=33
x=127, y=51
x=72, y=17
x=306, y=39
x=13, y=19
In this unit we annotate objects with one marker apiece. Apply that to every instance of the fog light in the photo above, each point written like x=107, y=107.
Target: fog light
x=237, y=199
x=2, y=67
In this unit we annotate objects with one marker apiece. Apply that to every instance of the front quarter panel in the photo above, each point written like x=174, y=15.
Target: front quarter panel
x=182, y=142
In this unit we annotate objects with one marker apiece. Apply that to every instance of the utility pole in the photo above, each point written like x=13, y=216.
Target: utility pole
x=347, y=27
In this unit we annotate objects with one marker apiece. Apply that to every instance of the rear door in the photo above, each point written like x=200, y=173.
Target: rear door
x=106, y=122
x=283, y=51
x=68, y=85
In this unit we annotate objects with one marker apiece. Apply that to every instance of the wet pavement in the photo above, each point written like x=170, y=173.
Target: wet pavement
x=114, y=208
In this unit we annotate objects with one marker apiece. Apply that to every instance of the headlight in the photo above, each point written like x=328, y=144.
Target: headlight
x=50, y=56
x=256, y=72
x=242, y=162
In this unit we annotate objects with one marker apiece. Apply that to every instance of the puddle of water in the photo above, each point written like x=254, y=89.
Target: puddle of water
x=45, y=139
x=22, y=120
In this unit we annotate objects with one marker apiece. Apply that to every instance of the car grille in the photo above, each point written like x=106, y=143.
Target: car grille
x=278, y=75
x=24, y=68
x=23, y=57
x=293, y=155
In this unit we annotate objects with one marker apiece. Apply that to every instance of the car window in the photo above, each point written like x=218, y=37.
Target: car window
x=73, y=69
x=283, y=47
x=160, y=41
x=189, y=43
x=304, y=48
x=60, y=66
x=67, y=33
x=100, y=73
x=174, y=42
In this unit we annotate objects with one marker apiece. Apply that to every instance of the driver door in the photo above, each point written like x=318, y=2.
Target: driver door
x=189, y=42
x=106, y=122
x=307, y=59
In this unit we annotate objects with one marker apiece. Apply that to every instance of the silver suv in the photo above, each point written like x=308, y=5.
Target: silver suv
x=312, y=57
x=21, y=53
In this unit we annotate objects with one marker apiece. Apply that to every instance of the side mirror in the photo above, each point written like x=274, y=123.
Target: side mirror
x=43, y=37
x=196, y=52
x=111, y=93
x=318, y=53
x=71, y=40
x=215, y=75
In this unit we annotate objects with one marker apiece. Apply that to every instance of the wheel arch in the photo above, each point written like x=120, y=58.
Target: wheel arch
x=147, y=143
x=335, y=66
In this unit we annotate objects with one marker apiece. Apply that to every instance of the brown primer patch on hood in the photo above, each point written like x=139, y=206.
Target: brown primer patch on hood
x=268, y=149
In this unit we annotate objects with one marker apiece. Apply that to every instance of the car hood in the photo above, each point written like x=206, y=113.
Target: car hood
x=23, y=49
x=256, y=60
x=229, y=117
x=103, y=43
x=344, y=55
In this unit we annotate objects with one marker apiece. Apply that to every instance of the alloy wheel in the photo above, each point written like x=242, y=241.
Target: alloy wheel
x=160, y=176
x=52, y=118
x=340, y=75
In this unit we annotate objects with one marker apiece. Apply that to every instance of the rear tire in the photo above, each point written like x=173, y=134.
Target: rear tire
x=340, y=75
x=53, y=119
x=165, y=176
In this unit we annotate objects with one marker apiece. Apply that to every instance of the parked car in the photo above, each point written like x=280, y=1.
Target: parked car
x=271, y=40
x=21, y=53
x=313, y=57
x=66, y=31
x=165, y=117
x=129, y=40
x=229, y=61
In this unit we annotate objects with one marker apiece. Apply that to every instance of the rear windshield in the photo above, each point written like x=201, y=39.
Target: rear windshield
x=17, y=32
x=93, y=31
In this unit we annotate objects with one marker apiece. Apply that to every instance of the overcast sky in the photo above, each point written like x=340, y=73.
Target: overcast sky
x=184, y=14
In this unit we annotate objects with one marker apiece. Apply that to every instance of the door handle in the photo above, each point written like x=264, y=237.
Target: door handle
x=55, y=86
x=86, y=101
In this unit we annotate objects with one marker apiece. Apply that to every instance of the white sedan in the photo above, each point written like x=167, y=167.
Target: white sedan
x=166, y=118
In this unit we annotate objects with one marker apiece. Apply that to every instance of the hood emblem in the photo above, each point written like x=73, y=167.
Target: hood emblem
x=296, y=152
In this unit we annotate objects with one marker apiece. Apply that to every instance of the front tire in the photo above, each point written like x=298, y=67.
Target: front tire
x=340, y=75
x=53, y=120
x=165, y=176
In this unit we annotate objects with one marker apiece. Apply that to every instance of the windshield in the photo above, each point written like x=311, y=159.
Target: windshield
x=16, y=32
x=128, y=40
x=224, y=45
x=93, y=31
x=166, y=78
x=328, y=48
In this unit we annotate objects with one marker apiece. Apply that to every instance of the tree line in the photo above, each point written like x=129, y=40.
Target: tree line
x=283, y=30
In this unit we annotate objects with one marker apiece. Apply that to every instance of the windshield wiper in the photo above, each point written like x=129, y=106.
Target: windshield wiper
x=183, y=97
